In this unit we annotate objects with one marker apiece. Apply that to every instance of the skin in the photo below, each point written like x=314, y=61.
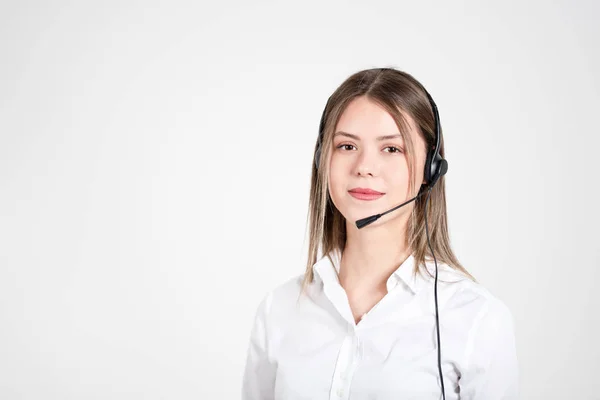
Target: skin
x=373, y=253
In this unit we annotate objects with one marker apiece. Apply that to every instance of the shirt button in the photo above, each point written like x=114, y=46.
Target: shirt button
x=340, y=392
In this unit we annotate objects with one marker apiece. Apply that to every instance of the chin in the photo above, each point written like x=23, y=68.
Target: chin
x=361, y=212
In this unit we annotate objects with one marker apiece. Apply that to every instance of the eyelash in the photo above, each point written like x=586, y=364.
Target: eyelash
x=399, y=150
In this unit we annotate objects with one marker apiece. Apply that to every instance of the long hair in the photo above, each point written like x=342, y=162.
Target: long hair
x=398, y=93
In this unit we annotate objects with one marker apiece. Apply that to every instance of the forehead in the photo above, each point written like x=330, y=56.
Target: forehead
x=370, y=121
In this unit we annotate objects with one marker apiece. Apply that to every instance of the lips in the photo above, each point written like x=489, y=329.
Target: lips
x=365, y=194
x=364, y=191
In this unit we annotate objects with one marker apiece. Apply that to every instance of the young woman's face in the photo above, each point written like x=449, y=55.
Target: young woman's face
x=360, y=160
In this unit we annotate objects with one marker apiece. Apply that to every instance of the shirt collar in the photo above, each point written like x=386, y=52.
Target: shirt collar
x=328, y=271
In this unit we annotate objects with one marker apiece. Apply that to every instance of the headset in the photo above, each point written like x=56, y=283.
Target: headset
x=435, y=167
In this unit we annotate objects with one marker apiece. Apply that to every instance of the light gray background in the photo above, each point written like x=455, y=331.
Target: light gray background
x=154, y=175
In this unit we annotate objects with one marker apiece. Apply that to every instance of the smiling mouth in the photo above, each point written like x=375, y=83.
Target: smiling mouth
x=366, y=196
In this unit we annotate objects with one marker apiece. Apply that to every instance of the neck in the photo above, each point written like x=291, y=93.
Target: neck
x=370, y=256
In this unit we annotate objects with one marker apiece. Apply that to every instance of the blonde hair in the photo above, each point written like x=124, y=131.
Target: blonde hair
x=398, y=93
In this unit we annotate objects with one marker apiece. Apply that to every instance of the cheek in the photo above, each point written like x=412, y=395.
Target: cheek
x=334, y=162
x=336, y=182
x=397, y=181
x=337, y=188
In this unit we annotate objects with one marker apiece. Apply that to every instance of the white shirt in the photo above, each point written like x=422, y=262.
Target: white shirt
x=313, y=349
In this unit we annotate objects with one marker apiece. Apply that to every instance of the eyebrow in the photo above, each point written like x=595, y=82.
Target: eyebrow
x=380, y=138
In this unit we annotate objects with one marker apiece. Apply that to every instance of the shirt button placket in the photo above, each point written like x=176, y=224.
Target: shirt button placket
x=345, y=363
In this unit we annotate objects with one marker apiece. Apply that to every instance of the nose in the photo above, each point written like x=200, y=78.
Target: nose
x=367, y=163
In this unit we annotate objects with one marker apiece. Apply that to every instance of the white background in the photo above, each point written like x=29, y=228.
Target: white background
x=155, y=163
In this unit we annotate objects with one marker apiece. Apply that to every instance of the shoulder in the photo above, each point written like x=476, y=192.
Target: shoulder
x=281, y=298
x=472, y=300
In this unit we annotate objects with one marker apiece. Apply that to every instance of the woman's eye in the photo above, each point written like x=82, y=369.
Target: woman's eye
x=395, y=149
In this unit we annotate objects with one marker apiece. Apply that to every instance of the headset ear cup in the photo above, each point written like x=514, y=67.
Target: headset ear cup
x=428, y=173
x=435, y=168
x=441, y=167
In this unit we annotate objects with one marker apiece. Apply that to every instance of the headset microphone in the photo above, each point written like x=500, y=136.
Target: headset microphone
x=435, y=167
x=366, y=221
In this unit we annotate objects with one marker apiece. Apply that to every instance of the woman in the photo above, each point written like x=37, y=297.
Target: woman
x=384, y=310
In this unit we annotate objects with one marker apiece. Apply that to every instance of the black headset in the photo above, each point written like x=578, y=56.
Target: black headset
x=435, y=167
